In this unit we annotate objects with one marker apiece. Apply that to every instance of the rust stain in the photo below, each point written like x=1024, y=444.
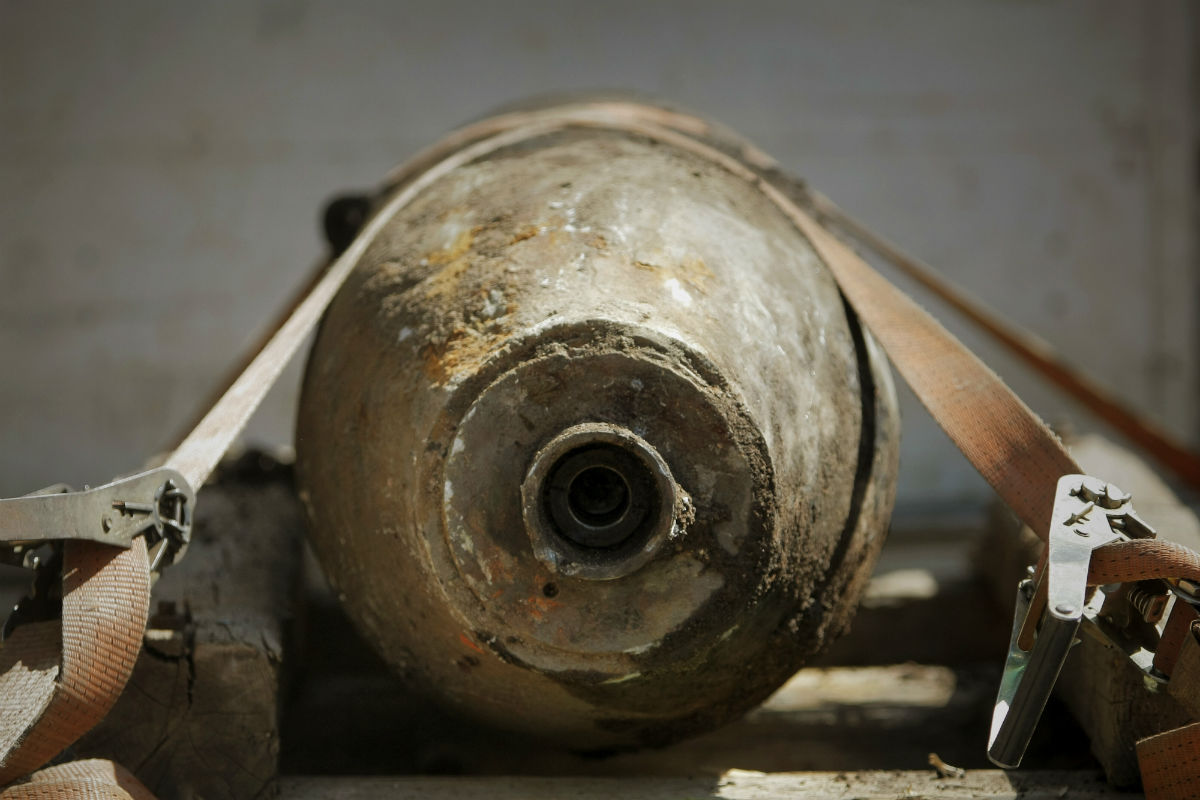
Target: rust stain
x=462, y=637
x=431, y=363
x=540, y=606
x=691, y=271
x=454, y=262
x=498, y=568
x=528, y=232
x=471, y=336
x=457, y=249
x=463, y=351
x=696, y=272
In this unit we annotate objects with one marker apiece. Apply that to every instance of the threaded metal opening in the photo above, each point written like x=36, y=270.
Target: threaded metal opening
x=600, y=495
x=598, y=502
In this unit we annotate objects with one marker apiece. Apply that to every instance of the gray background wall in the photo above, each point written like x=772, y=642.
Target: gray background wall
x=162, y=166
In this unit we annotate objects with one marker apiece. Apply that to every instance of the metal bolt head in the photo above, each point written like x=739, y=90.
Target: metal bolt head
x=1066, y=609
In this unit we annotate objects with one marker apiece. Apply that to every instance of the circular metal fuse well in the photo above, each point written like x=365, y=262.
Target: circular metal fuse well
x=598, y=502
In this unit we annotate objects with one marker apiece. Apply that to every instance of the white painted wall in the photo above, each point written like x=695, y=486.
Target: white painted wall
x=162, y=166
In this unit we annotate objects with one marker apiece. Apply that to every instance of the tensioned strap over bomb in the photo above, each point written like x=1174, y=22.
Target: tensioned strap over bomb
x=63, y=669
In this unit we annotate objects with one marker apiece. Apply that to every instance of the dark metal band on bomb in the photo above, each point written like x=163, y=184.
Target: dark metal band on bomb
x=590, y=444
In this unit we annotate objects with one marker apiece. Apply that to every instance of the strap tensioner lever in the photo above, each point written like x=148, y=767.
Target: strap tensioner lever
x=1088, y=514
x=156, y=504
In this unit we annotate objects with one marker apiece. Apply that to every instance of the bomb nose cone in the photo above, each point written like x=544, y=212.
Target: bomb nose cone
x=533, y=493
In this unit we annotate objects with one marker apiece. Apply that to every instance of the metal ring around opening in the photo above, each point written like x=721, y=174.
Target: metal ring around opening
x=598, y=501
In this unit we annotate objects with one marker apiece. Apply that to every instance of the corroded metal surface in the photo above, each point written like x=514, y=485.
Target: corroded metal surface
x=715, y=524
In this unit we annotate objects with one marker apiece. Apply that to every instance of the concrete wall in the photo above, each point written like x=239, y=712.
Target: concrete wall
x=162, y=166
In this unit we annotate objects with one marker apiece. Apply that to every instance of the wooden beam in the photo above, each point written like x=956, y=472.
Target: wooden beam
x=733, y=785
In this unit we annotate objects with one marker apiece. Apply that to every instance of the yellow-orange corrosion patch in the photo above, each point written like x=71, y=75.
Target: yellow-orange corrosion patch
x=528, y=232
x=540, y=606
x=454, y=263
x=463, y=351
x=691, y=271
x=464, y=348
x=457, y=249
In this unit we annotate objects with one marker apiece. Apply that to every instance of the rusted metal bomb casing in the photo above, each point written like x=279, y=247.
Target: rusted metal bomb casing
x=591, y=447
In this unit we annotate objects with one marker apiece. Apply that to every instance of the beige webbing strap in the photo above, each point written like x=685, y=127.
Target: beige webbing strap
x=29, y=663
x=93, y=779
x=106, y=601
x=1170, y=764
x=1142, y=559
x=1187, y=668
x=1170, y=761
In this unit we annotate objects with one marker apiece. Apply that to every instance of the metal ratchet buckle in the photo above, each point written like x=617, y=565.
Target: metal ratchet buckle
x=1088, y=514
x=156, y=504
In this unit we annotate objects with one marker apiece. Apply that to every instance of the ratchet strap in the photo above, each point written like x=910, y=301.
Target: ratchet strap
x=60, y=678
x=1022, y=460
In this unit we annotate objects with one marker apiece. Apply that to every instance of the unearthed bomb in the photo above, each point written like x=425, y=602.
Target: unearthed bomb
x=591, y=446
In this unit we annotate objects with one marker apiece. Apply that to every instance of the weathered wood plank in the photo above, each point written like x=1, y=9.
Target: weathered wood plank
x=915, y=615
x=735, y=785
